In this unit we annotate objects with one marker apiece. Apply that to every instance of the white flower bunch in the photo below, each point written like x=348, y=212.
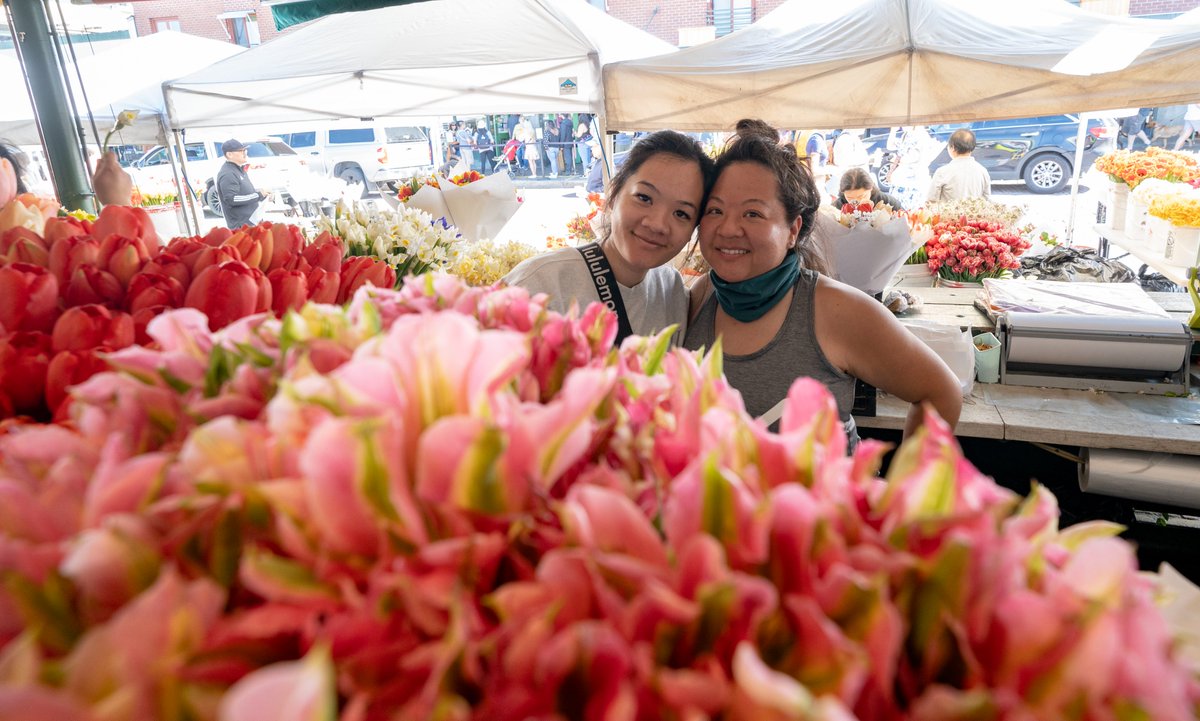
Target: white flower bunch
x=486, y=262
x=408, y=239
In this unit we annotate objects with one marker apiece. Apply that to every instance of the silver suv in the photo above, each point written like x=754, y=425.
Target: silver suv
x=372, y=155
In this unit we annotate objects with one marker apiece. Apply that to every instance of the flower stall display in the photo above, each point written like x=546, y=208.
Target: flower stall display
x=410, y=240
x=1178, y=214
x=969, y=250
x=1132, y=167
x=448, y=502
x=584, y=228
x=1138, y=223
x=867, y=244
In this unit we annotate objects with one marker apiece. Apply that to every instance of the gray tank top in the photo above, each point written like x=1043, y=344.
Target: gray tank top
x=764, y=377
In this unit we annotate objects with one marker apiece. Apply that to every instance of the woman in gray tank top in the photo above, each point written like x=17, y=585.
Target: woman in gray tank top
x=778, y=318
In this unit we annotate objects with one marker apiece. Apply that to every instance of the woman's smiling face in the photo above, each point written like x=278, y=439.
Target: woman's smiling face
x=744, y=231
x=653, y=215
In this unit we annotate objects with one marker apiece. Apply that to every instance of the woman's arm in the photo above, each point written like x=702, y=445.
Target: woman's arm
x=862, y=338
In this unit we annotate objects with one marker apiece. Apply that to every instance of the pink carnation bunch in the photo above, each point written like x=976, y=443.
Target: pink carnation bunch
x=970, y=250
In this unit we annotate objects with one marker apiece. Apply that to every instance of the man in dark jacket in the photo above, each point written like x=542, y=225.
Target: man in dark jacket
x=566, y=143
x=239, y=199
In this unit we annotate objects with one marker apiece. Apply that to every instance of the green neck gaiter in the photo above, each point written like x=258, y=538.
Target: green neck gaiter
x=749, y=299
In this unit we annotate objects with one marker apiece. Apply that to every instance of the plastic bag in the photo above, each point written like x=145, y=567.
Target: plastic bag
x=952, y=345
x=1075, y=264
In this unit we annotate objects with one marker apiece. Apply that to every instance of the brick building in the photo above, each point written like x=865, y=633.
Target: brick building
x=688, y=22
x=1139, y=8
x=245, y=22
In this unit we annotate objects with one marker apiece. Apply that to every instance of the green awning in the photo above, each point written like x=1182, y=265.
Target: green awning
x=287, y=14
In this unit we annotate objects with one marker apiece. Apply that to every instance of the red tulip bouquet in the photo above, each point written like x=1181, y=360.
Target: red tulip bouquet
x=448, y=502
x=868, y=243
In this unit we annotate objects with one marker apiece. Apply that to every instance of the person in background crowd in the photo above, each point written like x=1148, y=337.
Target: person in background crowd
x=1134, y=127
x=778, y=317
x=583, y=141
x=452, y=149
x=963, y=177
x=241, y=204
x=909, y=177
x=19, y=162
x=112, y=185
x=528, y=137
x=654, y=203
x=550, y=145
x=566, y=143
x=485, y=148
x=465, y=136
x=1191, y=124
x=857, y=186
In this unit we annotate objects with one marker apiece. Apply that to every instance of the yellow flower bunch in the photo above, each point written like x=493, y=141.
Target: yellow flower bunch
x=1133, y=166
x=486, y=262
x=1181, y=207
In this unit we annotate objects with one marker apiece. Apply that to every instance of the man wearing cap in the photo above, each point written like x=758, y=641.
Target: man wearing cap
x=239, y=200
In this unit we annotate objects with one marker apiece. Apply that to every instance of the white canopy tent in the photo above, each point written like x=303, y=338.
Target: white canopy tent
x=869, y=63
x=125, y=76
x=431, y=58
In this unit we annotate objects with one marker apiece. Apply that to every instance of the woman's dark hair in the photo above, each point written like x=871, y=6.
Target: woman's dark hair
x=754, y=141
x=661, y=142
x=859, y=179
x=17, y=158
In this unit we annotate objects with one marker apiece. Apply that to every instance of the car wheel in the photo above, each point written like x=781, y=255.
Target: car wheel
x=885, y=169
x=212, y=199
x=354, y=174
x=1046, y=174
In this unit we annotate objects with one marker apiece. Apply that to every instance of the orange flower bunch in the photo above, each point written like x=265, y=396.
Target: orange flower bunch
x=467, y=178
x=554, y=242
x=412, y=185
x=1133, y=166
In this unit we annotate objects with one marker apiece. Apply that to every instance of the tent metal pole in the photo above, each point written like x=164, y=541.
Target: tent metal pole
x=31, y=29
x=185, y=193
x=1076, y=170
x=181, y=150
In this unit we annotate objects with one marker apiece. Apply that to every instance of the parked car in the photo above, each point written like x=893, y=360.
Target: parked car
x=272, y=164
x=373, y=155
x=1039, y=151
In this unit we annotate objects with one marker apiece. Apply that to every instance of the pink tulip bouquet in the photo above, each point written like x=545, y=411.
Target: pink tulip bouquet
x=446, y=502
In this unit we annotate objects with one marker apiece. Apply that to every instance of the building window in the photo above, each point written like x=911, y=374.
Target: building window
x=241, y=27
x=601, y=4
x=729, y=15
x=160, y=24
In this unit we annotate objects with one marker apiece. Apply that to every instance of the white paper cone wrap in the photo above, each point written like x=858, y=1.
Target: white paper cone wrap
x=431, y=200
x=482, y=208
x=865, y=257
x=1154, y=477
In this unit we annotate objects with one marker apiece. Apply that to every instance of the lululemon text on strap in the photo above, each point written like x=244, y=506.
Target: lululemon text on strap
x=606, y=286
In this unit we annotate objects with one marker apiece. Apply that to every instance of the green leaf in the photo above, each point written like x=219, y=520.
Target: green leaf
x=226, y=553
x=717, y=512
x=662, y=343
x=483, y=484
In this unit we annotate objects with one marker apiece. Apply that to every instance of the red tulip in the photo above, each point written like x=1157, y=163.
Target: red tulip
x=363, y=270
x=325, y=252
x=69, y=253
x=142, y=318
x=28, y=298
x=289, y=290
x=323, y=286
x=89, y=284
x=24, y=358
x=286, y=246
x=65, y=226
x=22, y=245
x=256, y=246
x=122, y=257
x=183, y=247
x=170, y=265
x=69, y=368
x=209, y=257
x=147, y=289
x=227, y=292
x=127, y=222
x=217, y=237
x=90, y=326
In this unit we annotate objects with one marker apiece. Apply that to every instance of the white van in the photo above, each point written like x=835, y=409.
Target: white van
x=374, y=155
x=272, y=165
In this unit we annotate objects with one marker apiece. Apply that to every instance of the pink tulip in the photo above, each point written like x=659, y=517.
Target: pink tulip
x=356, y=486
x=123, y=485
x=153, y=289
x=70, y=253
x=707, y=498
x=28, y=298
x=24, y=361
x=22, y=212
x=90, y=284
x=68, y=368
x=363, y=270
x=606, y=520
x=289, y=290
x=290, y=691
x=112, y=564
x=464, y=463
x=225, y=293
x=8, y=182
x=22, y=245
x=127, y=222
x=39, y=703
x=91, y=326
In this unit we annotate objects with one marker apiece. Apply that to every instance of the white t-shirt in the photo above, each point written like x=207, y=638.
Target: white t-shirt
x=658, y=301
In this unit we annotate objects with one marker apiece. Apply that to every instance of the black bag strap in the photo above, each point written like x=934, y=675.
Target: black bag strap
x=606, y=286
